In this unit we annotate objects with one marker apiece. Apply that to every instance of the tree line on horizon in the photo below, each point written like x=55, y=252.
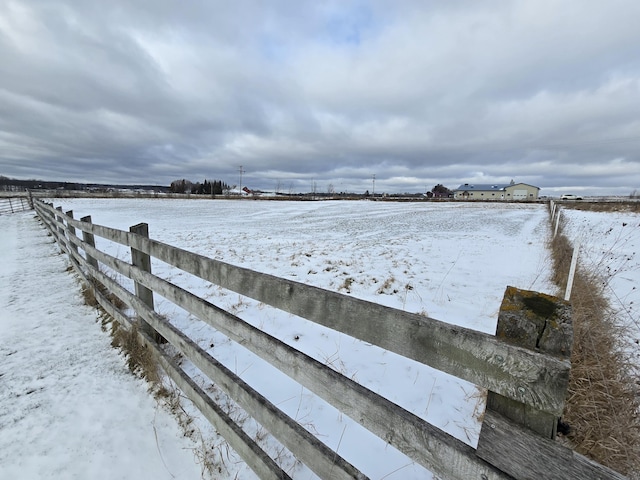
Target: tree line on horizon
x=218, y=187
x=184, y=186
x=215, y=187
x=15, y=184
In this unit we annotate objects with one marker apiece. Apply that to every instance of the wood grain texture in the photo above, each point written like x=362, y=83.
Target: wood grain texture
x=526, y=456
x=540, y=322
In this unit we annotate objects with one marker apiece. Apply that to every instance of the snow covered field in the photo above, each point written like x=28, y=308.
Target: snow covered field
x=418, y=257
x=449, y=261
x=610, y=245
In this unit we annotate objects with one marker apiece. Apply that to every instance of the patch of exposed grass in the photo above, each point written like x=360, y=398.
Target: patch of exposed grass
x=142, y=362
x=603, y=402
x=346, y=285
x=620, y=206
x=561, y=253
x=90, y=298
x=139, y=357
x=387, y=286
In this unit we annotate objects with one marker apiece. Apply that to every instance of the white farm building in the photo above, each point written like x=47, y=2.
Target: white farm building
x=504, y=192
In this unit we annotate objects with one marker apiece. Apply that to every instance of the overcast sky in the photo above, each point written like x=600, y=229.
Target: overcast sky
x=323, y=95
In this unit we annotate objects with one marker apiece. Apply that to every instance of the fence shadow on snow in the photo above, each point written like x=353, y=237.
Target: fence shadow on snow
x=525, y=367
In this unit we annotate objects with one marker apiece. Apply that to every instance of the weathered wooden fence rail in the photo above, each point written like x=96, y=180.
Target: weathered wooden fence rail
x=14, y=204
x=527, y=386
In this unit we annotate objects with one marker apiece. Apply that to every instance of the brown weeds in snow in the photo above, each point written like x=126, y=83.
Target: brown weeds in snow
x=603, y=398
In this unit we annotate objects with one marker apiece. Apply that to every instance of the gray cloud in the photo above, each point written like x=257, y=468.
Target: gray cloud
x=415, y=92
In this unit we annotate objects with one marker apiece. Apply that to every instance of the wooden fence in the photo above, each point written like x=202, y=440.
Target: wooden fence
x=526, y=377
x=14, y=204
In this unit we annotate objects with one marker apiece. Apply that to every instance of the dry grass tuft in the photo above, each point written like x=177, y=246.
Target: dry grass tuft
x=603, y=402
x=142, y=362
x=140, y=359
x=346, y=285
x=561, y=253
x=90, y=298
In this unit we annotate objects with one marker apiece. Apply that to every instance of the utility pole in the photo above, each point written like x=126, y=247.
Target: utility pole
x=241, y=171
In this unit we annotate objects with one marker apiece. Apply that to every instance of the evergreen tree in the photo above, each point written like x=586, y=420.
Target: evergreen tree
x=205, y=188
x=440, y=191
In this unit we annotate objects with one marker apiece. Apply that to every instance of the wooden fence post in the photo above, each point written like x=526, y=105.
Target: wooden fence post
x=143, y=261
x=537, y=322
x=62, y=239
x=72, y=231
x=88, y=238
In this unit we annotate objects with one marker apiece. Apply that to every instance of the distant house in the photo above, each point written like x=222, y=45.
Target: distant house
x=504, y=192
x=439, y=194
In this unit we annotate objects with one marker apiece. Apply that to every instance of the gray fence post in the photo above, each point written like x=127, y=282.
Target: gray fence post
x=143, y=261
x=72, y=231
x=537, y=322
x=62, y=239
x=87, y=237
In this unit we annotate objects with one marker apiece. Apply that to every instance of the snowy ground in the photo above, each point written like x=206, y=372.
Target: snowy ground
x=69, y=409
x=610, y=245
x=449, y=261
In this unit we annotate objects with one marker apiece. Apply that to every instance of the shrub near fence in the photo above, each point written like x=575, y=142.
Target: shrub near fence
x=526, y=387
